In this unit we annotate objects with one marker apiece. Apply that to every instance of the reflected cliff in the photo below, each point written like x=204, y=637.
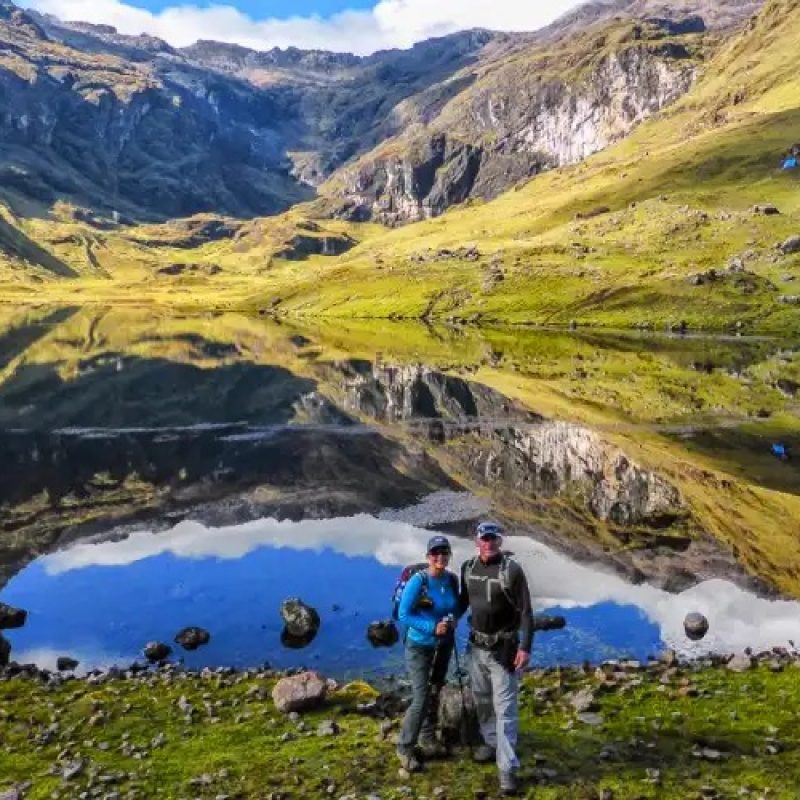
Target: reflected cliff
x=648, y=454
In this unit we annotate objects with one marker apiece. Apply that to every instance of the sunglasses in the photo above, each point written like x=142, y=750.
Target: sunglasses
x=439, y=552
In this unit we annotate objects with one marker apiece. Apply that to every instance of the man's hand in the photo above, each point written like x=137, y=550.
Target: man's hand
x=521, y=660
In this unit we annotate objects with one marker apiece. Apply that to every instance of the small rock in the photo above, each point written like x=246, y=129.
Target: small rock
x=301, y=620
x=72, y=770
x=590, y=718
x=791, y=245
x=11, y=617
x=191, y=638
x=327, y=728
x=696, y=626
x=583, y=700
x=383, y=633
x=66, y=664
x=767, y=209
x=156, y=651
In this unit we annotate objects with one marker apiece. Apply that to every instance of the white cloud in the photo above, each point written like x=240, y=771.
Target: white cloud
x=391, y=23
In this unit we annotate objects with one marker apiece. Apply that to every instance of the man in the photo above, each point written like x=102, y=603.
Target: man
x=495, y=589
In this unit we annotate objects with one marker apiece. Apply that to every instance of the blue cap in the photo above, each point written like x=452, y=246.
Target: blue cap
x=489, y=530
x=438, y=543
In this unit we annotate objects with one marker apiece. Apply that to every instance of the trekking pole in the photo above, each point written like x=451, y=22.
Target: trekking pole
x=460, y=677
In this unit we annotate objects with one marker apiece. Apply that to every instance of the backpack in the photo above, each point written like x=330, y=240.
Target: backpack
x=504, y=577
x=406, y=575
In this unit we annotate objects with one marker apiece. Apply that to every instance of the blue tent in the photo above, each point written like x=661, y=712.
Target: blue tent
x=780, y=451
x=790, y=163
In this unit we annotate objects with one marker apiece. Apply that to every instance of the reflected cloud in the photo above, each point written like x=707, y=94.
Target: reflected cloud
x=738, y=619
x=88, y=659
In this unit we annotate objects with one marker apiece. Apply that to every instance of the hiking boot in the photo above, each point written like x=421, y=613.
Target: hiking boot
x=409, y=762
x=483, y=754
x=431, y=749
x=508, y=784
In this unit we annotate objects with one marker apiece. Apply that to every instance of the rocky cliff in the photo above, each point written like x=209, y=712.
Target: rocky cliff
x=520, y=118
x=118, y=135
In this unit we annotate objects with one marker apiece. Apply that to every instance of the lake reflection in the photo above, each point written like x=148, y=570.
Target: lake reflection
x=102, y=601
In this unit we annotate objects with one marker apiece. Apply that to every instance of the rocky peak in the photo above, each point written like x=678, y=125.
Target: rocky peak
x=21, y=20
x=234, y=58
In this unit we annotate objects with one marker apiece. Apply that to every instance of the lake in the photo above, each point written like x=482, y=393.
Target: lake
x=197, y=470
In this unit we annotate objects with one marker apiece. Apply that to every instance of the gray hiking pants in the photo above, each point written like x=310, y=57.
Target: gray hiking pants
x=496, y=692
x=427, y=672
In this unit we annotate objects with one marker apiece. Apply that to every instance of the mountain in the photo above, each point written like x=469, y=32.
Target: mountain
x=131, y=127
x=687, y=223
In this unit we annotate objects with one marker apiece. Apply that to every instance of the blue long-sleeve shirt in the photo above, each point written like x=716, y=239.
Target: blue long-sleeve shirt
x=421, y=622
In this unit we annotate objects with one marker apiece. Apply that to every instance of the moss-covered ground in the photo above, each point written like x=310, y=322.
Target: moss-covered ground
x=706, y=733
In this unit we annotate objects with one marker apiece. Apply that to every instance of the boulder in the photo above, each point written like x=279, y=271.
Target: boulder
x=541, y=622
x=383, y=634
x=191, y=638
x=11, y=617
x=791, y=245
x=293, y=642
x=696, y=626
x=740, y=663
x=301, y=619
x=66, y=664
x=156, y=651
x=767, y=209
x=458, y=718
x=300, y=692
x=5, y=651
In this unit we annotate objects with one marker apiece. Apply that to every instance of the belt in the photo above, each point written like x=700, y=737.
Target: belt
x=490, y=640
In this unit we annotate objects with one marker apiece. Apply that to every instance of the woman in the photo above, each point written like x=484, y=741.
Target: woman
x=428, y=607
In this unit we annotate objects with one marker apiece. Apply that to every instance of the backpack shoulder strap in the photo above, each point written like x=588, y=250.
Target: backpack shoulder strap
x=468, y=568
x=505, y=578
x=453, y=582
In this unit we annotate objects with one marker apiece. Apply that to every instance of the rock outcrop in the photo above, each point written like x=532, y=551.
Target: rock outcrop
x=511, y=125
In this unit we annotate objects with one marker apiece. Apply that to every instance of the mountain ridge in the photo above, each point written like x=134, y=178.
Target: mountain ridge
x=271, y=128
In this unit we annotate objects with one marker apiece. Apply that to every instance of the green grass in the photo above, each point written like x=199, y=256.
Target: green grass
x=648, y=726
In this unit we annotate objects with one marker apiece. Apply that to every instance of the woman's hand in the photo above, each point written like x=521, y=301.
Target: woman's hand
x=442, y=628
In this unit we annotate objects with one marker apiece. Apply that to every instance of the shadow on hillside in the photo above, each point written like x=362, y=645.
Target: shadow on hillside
x=15, y=242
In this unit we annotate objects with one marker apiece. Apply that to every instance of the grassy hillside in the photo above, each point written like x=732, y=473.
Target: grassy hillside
x=679, y=192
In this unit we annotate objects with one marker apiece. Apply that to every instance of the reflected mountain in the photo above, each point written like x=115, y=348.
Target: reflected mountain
x=118, y=419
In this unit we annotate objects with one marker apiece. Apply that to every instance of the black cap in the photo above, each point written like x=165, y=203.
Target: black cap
x=438, y=543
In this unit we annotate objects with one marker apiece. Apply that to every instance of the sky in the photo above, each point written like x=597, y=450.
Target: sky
x=356, y=26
